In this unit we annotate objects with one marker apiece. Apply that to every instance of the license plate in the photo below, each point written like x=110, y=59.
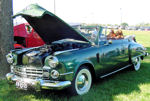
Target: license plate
x=21, y=85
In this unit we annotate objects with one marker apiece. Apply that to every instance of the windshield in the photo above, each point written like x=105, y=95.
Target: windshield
x=89, y=33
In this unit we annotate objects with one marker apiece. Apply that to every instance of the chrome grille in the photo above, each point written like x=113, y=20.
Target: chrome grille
x=31, y=73
x=34, y=73
x=18, y=72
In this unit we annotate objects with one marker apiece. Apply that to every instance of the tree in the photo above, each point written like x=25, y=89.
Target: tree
x=6, y=34
x=124, y=24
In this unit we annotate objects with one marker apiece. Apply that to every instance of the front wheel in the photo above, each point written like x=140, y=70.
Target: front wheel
x=136, y=63
x=82, y=81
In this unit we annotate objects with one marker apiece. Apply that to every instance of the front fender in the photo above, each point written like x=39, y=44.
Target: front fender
x=81, y=64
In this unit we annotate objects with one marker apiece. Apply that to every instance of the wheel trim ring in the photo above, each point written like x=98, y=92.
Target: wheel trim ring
x=86, y=88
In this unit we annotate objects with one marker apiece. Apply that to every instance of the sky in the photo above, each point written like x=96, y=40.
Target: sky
x=94, y=11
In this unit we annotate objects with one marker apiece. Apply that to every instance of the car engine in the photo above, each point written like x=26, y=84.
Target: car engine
x=37, y=55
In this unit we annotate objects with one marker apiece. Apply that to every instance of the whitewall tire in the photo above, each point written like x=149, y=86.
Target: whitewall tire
x=82, y=81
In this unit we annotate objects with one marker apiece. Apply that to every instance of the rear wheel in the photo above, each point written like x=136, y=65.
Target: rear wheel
x=136, y=63
x=82, y=81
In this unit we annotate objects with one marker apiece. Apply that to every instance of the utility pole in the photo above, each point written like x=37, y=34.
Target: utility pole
x=120, y=16
x=54, y=7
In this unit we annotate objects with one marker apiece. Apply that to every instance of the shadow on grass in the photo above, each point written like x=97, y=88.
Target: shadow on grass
x=124, y=82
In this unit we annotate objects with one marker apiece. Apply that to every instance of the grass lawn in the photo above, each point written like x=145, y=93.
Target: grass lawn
x=123, y=86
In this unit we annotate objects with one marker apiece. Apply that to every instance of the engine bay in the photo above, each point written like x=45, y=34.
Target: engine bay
x=62, y=45
x=40, y=53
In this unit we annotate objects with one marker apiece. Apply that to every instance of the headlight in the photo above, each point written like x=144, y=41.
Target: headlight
x=10, y=58
x=53, y=62
x=54, y=74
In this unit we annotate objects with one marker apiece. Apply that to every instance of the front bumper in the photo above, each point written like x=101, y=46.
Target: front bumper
x=38, y=84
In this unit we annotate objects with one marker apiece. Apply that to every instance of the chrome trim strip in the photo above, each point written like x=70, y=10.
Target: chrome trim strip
x=138, y=56
x=66, y=73
x=115, y=71
x=59, y=52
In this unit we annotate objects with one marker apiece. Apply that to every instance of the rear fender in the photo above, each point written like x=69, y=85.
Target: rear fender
x=136, y=50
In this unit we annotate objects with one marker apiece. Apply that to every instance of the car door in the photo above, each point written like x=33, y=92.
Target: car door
x=111, y=55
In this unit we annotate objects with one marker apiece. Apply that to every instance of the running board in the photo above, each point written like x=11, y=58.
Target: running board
x=115, y=71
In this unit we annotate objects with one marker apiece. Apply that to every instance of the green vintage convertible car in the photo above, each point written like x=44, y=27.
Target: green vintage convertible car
x=69, y=59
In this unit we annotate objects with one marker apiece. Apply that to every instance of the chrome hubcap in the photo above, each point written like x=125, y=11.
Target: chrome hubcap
x=82, y=82
x=136, y=63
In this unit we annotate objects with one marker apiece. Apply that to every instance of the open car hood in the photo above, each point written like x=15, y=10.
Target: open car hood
x=49, y=27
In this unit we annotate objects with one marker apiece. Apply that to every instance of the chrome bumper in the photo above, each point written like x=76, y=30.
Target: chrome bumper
x=38, y=84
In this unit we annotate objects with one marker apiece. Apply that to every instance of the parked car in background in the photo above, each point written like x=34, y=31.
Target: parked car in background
x=146, y=28
x=26, y=37
x=68, y=59
x=132, y=28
